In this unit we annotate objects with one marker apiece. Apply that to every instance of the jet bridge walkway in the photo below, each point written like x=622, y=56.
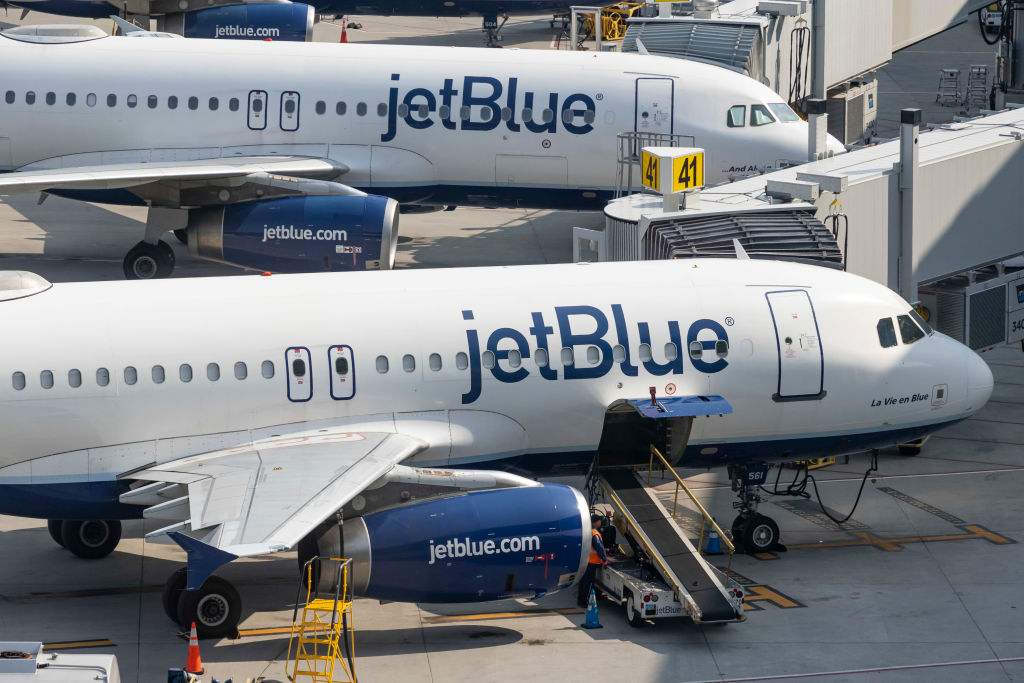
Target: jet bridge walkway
x=703, y=590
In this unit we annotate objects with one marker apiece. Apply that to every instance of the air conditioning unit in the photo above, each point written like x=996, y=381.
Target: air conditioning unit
x=982, y=314
x=853, y=113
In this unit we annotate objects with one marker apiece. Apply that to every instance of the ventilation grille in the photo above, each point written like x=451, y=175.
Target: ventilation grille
x=735, y=46
x=988, y=317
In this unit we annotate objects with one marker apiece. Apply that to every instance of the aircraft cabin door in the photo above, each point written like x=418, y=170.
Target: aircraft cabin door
x=257, y=109
x=289, y=111
x=801, y=362
x=343, y=377
x=654, y=97
x=299, y=371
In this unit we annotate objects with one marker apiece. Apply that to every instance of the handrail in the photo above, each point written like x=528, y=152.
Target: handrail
x=706, y=516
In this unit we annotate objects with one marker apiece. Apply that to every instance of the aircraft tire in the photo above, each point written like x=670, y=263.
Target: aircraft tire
x=760, y=534
x=147, y=261
x=91, y=539
x=53, y=526
x=633, y=617
x=216, y=609
x=173, y=589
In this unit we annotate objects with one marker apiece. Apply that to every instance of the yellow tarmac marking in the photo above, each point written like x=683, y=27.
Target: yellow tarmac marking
x=756, y=593
x=72, y=644
x=501, y=615
x=864, y=538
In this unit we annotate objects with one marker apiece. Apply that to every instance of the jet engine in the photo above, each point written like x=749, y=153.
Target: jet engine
x=256, y=21
x=298, y=234
x=474, y=547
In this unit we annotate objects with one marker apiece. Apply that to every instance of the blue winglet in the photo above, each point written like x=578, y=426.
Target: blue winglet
x=203, y=559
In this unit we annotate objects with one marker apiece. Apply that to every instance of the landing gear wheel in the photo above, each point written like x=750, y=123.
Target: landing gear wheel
x=53, y=526
x=633, y=617
x=760, y=534
x=216, y=608
x=91, y=539
x=147, y=261
x=173, y=589
x=738, y=525
x=181, y=234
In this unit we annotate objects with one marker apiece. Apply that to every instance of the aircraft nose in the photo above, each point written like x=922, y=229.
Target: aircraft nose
x=979, y=382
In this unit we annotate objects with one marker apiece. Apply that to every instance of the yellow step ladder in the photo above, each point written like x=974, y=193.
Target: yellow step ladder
x=324, y=627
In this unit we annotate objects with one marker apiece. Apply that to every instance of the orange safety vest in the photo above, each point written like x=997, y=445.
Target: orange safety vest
x=594, y=557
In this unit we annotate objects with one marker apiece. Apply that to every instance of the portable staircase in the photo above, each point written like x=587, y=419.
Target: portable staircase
x=976, y=96
x=949, y=87
x=325, y=625
x=702, y=588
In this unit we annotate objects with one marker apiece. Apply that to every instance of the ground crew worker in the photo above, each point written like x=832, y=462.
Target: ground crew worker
x=598, y=558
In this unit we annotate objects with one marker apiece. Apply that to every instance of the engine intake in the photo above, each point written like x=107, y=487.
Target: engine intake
x=298, y=234
x=257, y=21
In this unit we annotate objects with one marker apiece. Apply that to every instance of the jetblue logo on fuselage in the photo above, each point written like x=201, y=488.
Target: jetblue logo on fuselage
x=485, y=103
x=585, y=326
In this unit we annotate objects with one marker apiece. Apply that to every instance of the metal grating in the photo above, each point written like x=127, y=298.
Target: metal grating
x=987, y=317
x=949, y=316
x=787, y=235
x=736, y=46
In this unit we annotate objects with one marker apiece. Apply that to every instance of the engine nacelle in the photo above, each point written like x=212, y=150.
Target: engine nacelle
x=257, y=21
x=298, y=234
x=483, y=545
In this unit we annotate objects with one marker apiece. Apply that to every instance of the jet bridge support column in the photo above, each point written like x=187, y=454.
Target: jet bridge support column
x=817, y=128
x=910, y=122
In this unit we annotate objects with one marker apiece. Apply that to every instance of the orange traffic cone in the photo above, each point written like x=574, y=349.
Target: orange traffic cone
x=344, y=32
x=194, y=665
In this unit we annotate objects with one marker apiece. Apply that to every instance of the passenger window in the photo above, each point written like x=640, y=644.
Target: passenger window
x=289, y=106
x=589, y=116
x=909, y=331
x=593, y=355
x=321, y=107
x=619, y=353
x=299, y=367
x=645, y=352
x=193, y=103
x=696, y=350
x=434, y=361
x=549, y=115
x=30, y=97
x=241, y=370
x=185, y=373
x=214, y=104
x=461, y=360
x=233, y=104
x=46, y=379
x=403, y=110
x=382, y=364
x=212, y=372
x=382, y=109
x=515, y=359
x=111, y=100
x=267, y=369
x=721, y=348
x=487, y=359
x=152, y=101
x=444, y=111
x=70, y=99
x=737, y=116
x=783, y=112
x=102, y=377
x=158, y=374
x=760, y=116
x=90, y=99
x=131, y=375
x=9, y=97
x=18, y=381
x=485, y=114
x=541, y=358
x=464, y=113
x=506, y=114
x=671, y=352
x=51, y=98
x=172, y=102
x=132, y=101
x=75, y=378
x=568, y=357
x=921, y=322
x=886, y=333
x=339, y=109
x=408, y=362
x=527, y=114
x=341, y=365
x=361, y=109
x=257, y=106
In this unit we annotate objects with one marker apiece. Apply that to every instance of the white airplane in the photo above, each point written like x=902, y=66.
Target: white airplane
x=276, y=406
x=262, y=153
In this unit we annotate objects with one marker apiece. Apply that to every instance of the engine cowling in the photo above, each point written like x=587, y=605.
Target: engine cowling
x=298, y=234
x=479, y=546
x=257, y=21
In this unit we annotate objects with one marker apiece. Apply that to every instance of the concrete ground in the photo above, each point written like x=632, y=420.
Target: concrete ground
x=923, y=584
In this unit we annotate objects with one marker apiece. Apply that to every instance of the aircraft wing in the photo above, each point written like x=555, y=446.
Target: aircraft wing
x=263, y=498
x=284, y=172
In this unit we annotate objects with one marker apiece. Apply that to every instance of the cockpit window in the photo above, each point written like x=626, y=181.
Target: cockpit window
x=909, y=330
x=760, y=116
x=783, y=112
x=737, y=116
x=886, y=333
x=921, y=322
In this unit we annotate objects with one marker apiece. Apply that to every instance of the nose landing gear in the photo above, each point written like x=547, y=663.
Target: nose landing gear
x=751, y=531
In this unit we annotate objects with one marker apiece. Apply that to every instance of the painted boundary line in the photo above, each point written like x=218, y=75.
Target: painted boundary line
x=850, y=672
